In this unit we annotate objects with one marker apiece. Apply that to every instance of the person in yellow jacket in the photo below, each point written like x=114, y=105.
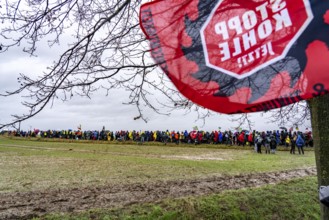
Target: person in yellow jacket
x=288, y=141
x=130, y=135
x=181, y=137
x=168, y=135
x=154, y=136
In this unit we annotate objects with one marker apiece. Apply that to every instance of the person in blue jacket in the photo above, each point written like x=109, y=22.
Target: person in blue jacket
x=300, y=143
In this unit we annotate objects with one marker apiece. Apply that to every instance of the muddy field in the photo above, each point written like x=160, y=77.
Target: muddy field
x=38, y=203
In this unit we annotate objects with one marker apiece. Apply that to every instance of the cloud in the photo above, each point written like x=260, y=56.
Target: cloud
x=109, y=111
x=101, y=110
x=97, y=112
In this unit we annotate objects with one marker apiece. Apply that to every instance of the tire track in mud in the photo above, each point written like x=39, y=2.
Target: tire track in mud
x=26, y=205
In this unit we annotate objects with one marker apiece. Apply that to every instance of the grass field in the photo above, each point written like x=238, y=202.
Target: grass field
x=29, y=165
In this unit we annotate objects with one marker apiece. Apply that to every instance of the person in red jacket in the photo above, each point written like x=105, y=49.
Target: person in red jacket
x=200, y=136
x=193, y=136
x=251, y=139
x=216, y=137
x=241, y=139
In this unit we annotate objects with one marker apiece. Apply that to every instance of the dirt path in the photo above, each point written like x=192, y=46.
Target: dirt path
x=32, y=204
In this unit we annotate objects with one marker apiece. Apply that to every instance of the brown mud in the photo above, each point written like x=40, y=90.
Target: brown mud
x=26, y=205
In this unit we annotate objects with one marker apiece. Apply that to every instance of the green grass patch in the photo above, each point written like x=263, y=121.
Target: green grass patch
x=33, y=164
x=295, y=199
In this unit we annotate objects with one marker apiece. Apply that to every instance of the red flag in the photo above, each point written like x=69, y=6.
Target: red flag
x=235, y=56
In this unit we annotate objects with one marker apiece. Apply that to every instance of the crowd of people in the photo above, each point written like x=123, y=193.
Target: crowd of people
x=269, y=139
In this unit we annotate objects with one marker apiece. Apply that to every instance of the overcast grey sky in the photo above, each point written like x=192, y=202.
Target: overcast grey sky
x=101, y=110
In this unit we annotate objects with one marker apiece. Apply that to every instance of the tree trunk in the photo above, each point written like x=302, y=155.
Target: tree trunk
x=320, y=127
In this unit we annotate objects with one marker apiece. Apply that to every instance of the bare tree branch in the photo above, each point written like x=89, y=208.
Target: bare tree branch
x=108, y=51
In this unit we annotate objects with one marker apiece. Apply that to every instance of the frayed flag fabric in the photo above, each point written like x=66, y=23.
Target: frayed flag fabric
x=234, y=56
